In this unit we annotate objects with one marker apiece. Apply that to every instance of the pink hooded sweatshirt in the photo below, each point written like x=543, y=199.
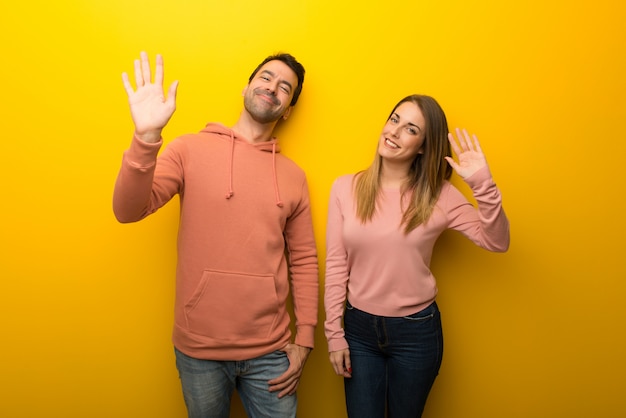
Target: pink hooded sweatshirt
x=245, y=222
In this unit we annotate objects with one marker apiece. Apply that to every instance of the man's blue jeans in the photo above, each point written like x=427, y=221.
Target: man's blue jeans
x=395, y=361
x=208, y=386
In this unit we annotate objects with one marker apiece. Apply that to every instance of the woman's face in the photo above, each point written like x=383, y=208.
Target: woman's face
x=402, y=138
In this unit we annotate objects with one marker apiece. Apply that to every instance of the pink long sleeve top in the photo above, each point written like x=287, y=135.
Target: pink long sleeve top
x=385, y=272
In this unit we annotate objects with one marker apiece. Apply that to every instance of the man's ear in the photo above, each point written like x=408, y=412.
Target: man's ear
x=245, y=89
x=287, y=112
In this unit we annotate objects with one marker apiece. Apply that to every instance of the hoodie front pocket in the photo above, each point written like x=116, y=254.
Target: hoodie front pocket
x=231, y=306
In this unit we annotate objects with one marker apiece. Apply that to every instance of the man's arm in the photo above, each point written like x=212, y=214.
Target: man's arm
x=305, y=293
x=150, y=112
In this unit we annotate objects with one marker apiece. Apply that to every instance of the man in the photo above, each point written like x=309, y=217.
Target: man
x=245, y=221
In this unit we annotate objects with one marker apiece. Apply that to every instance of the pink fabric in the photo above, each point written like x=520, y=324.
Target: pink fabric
x=383, y=271
x=232, y=274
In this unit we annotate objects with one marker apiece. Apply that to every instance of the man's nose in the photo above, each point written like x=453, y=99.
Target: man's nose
x=272, y=87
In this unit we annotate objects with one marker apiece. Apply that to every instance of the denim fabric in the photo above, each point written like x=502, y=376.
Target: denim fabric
x=208, y=386
x=395, y=361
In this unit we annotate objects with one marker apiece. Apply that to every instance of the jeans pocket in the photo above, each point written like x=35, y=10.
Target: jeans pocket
x=423, y=315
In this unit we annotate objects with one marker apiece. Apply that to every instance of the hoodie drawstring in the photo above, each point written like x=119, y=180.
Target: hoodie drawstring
x=279, y=202
x=230, y=172
x=230, y=192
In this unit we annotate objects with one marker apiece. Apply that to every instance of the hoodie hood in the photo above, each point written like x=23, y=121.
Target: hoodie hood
x=230, y=135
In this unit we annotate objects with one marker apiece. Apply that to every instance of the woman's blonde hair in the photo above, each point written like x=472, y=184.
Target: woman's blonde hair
x=427, y=173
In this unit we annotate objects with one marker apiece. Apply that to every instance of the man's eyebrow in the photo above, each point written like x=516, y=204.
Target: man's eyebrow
x=274, y=75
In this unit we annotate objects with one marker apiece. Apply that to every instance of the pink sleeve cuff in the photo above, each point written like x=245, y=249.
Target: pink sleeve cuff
x=305, y=336
x=337, y=344
x=142, y=154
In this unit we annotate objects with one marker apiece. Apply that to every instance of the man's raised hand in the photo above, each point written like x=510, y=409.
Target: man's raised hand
x=149, y=107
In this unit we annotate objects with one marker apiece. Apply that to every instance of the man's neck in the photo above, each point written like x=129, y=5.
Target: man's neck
x=253, y=131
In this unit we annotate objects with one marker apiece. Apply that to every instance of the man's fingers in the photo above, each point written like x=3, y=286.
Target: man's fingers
x=171, y=94
x=127, y=85
x=290, y=389
x=158, y=71
x=284, y=387
x=138, y=75
x=145, y=68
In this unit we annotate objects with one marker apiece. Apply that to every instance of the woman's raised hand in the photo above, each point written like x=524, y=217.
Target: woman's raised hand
x=468, y=152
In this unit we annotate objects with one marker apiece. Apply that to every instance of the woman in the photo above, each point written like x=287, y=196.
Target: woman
x=383, y=223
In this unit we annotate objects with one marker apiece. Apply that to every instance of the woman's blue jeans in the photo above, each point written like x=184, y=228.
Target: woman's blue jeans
x=208, y=386
x=395, y=361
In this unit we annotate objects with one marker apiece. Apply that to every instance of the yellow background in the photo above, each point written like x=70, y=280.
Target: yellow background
x=86, y=303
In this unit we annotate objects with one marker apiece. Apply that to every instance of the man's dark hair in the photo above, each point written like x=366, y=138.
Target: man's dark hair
x=292, y=63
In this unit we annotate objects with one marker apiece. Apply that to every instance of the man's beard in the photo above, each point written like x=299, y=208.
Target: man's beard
x=260, y=112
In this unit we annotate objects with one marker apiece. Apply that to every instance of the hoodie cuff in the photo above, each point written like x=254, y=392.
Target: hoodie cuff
x=305, y=336
x=142, y=154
